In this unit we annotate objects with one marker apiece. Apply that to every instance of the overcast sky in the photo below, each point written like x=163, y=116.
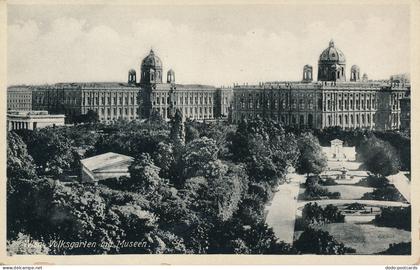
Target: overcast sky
x=217, y=45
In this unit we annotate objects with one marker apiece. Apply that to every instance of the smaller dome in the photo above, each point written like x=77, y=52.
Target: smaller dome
x=171, y=71
x=355, y=67
x=307, y=66
x=131, y=71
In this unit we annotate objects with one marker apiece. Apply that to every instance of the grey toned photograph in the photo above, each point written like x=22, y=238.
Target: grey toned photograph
x=208, y=129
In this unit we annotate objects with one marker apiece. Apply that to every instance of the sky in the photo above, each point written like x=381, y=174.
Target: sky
x=217, y=45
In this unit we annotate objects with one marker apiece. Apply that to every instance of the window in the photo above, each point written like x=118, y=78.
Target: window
x=301, y=104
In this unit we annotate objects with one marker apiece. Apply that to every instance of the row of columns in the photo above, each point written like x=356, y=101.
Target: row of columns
x=13, y=125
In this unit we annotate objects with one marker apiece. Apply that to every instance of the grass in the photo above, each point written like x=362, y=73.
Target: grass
x=365, y=238
x=349, y=192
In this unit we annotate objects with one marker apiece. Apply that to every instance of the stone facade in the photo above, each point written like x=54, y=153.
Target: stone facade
x=329, y=102
x=111, y=101
x=19, y=98
x=193, y=101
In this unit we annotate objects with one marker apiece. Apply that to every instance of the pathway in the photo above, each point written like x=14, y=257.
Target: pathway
x=401, y=182
x=282, y=210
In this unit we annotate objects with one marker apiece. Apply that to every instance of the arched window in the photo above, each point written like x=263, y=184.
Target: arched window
x=301, y=120
x=346, y=119
x=340, y=119
x=351, y=119
x=310, y=120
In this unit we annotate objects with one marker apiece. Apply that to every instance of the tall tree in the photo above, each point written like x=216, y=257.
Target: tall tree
x=379, y=157
x=19, y=163
x=311, y=158
x=177, y=134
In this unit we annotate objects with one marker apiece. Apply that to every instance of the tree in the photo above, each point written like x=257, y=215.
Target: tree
x=196, y=155
x=91, y=117
x=319, y=242
x=311, y=158
x=379, y=157
x=144, y=175
x=191, y=133
x=25, y=245
x=19, y=163
x=52, y=152
x=177, y=134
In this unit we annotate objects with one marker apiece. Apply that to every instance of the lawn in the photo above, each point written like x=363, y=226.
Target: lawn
x=366, y=239
x=349, y=192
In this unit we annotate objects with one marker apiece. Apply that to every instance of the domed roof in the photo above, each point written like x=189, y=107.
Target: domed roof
x=332, y=54
x=355, y=67
x=171, y=71
x=132, y=71
x=151, y=60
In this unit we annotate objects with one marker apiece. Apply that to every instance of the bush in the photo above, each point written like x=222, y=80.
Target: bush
x=328, y=182
x=373, y=181
x=313, y=213
x=388, y=193
x=397, y=217
x=355, y=206
x=403, y=248
x=315, y=191
x=319, y=242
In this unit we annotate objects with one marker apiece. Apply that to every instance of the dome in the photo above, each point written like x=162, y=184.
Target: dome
x=332, y=54
x=171, y=71
x=355, y=67
x=151, y=60
x=132, y=71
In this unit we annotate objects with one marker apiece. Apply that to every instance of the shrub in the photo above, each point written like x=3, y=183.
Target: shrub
x=373, y=181
x=313, y=213
x=388, y=193
x=328, y=182
x=355, y=206
x=315, y=191
x=313, y=241
x=403, y=248
x=397, y=217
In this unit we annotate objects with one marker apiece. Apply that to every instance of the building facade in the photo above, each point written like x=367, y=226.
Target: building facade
x=193, y=101
x=19, y=98
x=111, y=101
x=331, y=101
